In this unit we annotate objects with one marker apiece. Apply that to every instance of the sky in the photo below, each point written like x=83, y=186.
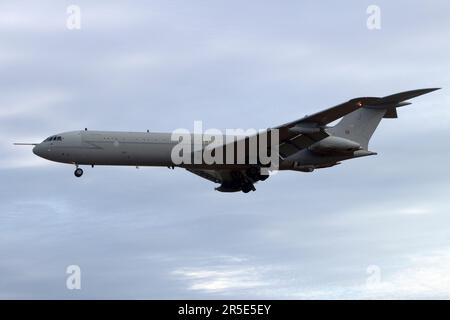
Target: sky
x=371, y=228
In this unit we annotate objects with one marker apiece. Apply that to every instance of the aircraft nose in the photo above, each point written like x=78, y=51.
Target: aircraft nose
x=37, y=150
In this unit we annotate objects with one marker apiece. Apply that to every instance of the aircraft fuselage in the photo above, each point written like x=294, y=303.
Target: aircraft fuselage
x=108, y=148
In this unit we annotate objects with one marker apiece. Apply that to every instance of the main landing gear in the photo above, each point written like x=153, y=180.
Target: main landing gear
x=78, y=172
x=242, y=182
x=247, y=187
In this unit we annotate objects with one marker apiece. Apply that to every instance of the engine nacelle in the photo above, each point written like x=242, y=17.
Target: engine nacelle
x=334, y=144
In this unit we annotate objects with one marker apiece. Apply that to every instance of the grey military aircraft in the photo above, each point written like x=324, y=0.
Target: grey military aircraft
x=302, y=145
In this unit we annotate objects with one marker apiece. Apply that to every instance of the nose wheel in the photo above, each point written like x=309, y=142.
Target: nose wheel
x=78, y=172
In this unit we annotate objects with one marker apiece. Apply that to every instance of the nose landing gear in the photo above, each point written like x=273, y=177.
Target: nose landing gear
x=78, y=172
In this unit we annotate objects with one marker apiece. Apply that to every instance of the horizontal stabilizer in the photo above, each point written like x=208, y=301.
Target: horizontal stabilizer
x=403, y=96
x=396, y=100
x=390, y=103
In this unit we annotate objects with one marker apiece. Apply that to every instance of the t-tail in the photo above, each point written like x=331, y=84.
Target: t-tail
x=360, y=125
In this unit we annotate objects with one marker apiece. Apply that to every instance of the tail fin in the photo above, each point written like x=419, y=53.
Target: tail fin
x=360, y=125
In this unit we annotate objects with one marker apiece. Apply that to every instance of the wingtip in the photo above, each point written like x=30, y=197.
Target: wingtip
x=426, y=90
x=431, y=89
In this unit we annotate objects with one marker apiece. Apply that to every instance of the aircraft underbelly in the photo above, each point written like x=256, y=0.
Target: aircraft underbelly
x=126, y=154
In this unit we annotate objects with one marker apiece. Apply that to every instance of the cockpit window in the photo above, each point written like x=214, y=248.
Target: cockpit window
x=53, y=138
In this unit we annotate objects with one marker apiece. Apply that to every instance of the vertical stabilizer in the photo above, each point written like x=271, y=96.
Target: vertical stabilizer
x=360, y=125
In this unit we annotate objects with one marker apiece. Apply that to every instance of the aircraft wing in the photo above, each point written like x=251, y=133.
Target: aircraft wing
x=302, y=133
x=293, y=136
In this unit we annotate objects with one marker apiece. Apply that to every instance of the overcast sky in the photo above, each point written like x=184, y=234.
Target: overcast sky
x=155, y=233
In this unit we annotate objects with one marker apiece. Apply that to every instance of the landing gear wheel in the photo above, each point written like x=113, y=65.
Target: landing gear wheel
x=247, y=187
x=78, y=172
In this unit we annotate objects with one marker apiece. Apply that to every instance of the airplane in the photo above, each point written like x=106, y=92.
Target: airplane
x=303, y=145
